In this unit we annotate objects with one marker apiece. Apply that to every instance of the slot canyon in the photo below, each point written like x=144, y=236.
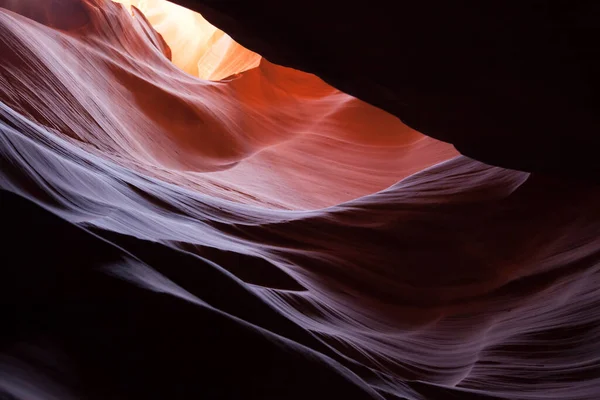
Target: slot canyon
x=299, y=200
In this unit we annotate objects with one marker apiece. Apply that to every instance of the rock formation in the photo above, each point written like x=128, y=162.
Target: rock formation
x=185, y=217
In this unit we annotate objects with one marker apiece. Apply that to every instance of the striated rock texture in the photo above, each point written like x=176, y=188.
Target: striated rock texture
x=184, y=219
x=512, y=84
x=197, y=47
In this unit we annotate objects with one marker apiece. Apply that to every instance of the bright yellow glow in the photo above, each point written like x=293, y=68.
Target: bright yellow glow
x=197, y=47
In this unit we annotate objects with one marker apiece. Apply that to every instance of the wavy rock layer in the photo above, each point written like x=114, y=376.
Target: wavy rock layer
x=512, y=84
x=294, y=141
x=197, y=47
x=265, y=236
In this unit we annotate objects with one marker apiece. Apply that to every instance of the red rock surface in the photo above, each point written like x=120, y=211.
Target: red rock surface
x=512, y=84
x=185, y=219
